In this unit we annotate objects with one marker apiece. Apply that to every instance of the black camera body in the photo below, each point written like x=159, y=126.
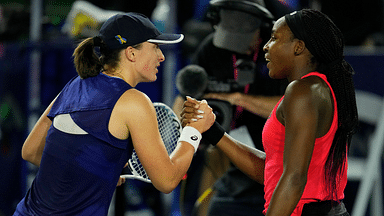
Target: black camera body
x=223, y=109
x=245, y=75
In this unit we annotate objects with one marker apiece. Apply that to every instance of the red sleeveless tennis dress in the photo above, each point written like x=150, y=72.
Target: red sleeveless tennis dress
x=273, y=142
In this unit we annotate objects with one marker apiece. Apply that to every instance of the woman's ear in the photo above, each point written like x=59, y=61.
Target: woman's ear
x=130, y=53
x=299, y=47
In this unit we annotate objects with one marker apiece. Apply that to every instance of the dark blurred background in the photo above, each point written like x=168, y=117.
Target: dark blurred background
x=37, y=38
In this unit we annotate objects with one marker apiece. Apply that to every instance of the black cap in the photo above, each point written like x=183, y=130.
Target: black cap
x=123, y=30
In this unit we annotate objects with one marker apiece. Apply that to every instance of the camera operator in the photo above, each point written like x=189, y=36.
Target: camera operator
x=233, y=58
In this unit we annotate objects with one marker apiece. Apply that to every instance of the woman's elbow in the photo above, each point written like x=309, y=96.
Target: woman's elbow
x=298, y=180
x=166, y=190
x=165, y=186
x=26, y=155
x=29, y=156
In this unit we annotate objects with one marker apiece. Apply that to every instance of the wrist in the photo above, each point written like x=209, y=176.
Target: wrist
x=191, y=135
x=214, y=134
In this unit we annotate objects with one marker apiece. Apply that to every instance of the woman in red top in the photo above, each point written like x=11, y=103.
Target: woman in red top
x=307, y=135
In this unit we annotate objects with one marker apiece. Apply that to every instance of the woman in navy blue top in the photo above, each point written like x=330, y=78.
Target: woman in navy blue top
x=85, y=137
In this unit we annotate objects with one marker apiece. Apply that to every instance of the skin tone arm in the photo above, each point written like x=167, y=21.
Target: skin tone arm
x=33, y=146
x=134, y=114
x=249, y=160
x=257, y=104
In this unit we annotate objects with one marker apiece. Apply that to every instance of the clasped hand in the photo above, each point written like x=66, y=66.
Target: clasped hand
x=197, y=114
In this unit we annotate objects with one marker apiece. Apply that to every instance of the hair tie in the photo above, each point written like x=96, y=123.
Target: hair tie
x=347, y=68
x=97, y=41
x=336, y=62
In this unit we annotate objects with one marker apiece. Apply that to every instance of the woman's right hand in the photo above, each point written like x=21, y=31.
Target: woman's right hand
x=197, y=114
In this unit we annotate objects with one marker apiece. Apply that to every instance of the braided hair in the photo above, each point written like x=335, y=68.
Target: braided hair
x=326, y=43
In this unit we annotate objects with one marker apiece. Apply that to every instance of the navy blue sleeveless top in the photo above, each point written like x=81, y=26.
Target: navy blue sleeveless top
x=78, y=173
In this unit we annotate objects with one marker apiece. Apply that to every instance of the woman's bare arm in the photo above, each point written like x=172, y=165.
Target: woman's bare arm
x=250, y=161
x=33, y=146
x=140, y=119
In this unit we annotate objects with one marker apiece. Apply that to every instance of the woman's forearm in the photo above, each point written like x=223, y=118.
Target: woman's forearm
x=33, y=146
x=249, y=160
x=259, y=105
x=287, y=194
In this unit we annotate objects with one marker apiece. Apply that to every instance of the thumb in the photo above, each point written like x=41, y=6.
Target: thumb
x=190, y=99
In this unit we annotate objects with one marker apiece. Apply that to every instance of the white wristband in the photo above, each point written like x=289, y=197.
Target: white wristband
x=191, y=135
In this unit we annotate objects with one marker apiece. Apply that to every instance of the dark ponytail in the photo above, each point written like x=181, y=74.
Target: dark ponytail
x=87, y=61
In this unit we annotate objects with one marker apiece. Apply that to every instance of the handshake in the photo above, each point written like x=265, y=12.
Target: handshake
x=199, y=115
